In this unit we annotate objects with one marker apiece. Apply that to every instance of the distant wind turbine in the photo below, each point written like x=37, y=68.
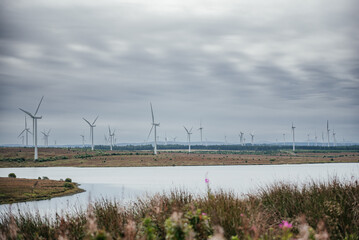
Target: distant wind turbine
x=293, y=137
x=284, y=143
x=154, y=126
x=241, y=138
x=46, y=137
x=83, y=140
x=334, y=139
x=328, y=130
x=200, y=129
x=308, y=140
x=189, y=138
x=252, y=138
x=26, y=131
x=316, y=139
x=111, y=136
x=91, y=130
x=34, y=126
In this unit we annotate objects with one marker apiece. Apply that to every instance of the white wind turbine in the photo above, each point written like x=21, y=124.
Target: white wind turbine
x=308, y=140
x=154, y=125
x=252, y=138
x=241, y=138
x=26, y=131
x=284, y=143
x=200, y=129
x=46, y=137
x=34, y=126
x=334, y=139
x=316, y=138
x=83, y=140
x=328, y=130
x=112, y=137
x=293, y=137
x=91, y=130
x=189, y=138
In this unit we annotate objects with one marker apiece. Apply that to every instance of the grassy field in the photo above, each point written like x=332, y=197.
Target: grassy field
x=19, y=189
x=55, y=157
x=328, y=210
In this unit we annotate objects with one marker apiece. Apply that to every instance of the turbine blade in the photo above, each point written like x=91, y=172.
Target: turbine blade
x=149, y=133
x=21, y=132
x=95, y=120
x=39, y=106
x=109, y=130
x=87, y=121
x=190, y=130
x=48, y=133
x=27, y=113
x=153, y=117
x=186, y=129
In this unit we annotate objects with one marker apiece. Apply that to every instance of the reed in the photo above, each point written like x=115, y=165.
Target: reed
x=281, y=211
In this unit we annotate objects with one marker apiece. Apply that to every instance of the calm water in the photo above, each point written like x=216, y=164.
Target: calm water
x=126, y=184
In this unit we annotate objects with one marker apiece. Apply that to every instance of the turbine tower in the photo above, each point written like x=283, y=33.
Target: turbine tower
x=26, y=130
x=293, y=137
x=34, y=126
x=316, y=139
x=284, y=143
x=308, y=140
x=189, y=138
x=154, y=125
x=252, y=138
x=200, y=129
x=83, y=141
x=111, y=136
x=91, y=130
x=328, y=130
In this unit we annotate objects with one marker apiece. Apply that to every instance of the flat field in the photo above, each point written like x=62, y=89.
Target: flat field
x=70, y=157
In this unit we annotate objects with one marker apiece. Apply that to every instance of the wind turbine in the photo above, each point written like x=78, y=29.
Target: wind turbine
x=91, y=130
x=316, y=138
x=328, y=130
x=34, y=126
x=334, y=139
x=241, y=137
x=83, y=141
x=200, y=129
x=174, y=139
x=323, y=144
x=22, y=139
x=112, y=136
x=308, y=140
x=154, y=125
x=46, y=137
x=26, y=130
x=252, y=138
x=284, y=143
x=189, y=138
x=293, y=137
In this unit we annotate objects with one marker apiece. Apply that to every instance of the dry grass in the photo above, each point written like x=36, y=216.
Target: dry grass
x=55, y=157
x=20, y=189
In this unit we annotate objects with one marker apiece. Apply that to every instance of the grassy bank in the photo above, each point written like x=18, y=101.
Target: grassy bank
x=68, y=157
x=20, y=190
x=281, y=211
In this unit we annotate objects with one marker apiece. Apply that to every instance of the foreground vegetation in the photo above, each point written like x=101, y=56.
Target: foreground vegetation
x=281, y=211
x=20, y=190
x=78, y=157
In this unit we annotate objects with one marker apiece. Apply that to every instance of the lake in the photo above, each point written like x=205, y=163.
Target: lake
x=126, y=184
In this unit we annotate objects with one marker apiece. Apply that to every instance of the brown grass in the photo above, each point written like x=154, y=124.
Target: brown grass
x=20, y=189
x=55, y=157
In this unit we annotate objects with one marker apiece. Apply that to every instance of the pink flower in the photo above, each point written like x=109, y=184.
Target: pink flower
x=285, y=224
x=204, y=214
x=206, y=180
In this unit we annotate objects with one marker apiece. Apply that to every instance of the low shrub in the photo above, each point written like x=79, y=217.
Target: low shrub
x=12, y=175
x=68, y=180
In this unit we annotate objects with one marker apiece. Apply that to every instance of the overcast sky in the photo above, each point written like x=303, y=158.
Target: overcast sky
x=237, y=65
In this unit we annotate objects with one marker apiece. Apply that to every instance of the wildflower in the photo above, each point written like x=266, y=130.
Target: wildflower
x=204, y=214
x=206, y=180
x=285, y=224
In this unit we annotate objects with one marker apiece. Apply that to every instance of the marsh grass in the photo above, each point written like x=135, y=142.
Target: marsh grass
x=313, y=211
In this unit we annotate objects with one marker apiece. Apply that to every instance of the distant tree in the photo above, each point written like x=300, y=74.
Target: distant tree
x=12, y=175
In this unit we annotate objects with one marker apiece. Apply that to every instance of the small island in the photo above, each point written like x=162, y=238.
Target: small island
x=13, y=190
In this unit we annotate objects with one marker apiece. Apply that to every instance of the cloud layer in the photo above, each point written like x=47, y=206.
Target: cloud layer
x=237, y=65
